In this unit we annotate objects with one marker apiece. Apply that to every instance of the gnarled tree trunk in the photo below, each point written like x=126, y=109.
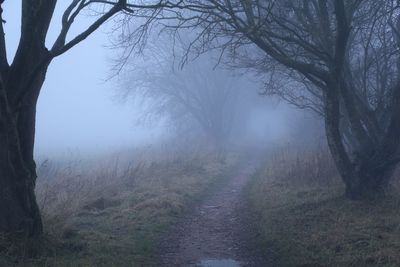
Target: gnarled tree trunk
x=366, y=167
x=20, y=84
x=18, y=207
x=370, y=183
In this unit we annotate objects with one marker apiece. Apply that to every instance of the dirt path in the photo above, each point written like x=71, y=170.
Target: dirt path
x=215, y=234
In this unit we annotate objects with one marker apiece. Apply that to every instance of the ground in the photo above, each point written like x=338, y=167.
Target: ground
x=213, y=234
x=208, y=211
x=114, y=215
x=305, y=220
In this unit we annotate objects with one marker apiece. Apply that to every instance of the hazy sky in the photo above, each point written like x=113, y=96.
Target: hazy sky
x=76, y=110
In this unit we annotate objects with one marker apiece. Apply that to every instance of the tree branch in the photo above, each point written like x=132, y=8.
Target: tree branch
x=61, y=46
x=3, y=51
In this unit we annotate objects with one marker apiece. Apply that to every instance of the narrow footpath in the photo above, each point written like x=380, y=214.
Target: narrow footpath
x=215, y=234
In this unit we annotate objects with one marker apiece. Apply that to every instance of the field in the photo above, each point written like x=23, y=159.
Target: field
x=304, y=220
x=113, y=211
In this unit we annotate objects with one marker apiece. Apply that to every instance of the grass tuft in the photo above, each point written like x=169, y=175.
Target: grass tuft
x=306, y=221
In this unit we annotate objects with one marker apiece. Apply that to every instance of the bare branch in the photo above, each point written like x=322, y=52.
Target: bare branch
x=60, y=46
x=3, y=51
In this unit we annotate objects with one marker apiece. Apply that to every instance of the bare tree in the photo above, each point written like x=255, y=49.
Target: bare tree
x=338, y=57
x=197, y=96
x=20, y=84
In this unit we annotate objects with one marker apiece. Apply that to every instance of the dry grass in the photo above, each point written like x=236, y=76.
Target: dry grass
x=305, y=220
x=111, y=212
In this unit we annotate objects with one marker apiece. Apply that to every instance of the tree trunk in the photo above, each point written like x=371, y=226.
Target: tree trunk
x=19, y=212
x=365, y=175
x=366, y=179
x=20, y=84
x=370, y=183
x=18, y=207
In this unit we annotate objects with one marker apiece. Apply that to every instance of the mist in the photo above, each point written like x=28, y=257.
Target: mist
x=79, y=110
x=199, y=133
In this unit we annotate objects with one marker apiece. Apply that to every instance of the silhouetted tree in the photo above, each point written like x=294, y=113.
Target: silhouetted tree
x=194, y=97
x=337, y=57
x=20, y=84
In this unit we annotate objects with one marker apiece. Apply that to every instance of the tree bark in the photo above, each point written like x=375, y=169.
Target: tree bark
x=18, y=207
x=19, y=92
x=369, y=183
x=365, y=175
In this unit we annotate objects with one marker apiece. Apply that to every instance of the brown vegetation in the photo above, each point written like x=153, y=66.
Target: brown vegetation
x=111, y=212
x=306, y=221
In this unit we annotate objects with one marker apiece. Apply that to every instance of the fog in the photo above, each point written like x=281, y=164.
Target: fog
x=199, y=133
x=79, y=109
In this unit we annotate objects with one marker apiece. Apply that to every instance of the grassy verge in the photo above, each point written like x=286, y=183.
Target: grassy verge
x=305, y=220
x=114, y=216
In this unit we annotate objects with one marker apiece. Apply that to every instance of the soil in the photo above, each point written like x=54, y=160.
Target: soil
x=218, y=232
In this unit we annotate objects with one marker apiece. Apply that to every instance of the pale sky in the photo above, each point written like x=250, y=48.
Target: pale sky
x=76, y=109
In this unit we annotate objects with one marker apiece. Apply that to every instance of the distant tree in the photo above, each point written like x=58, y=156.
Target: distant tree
x=340, y=58
x=20, y=85
x=196, y=96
